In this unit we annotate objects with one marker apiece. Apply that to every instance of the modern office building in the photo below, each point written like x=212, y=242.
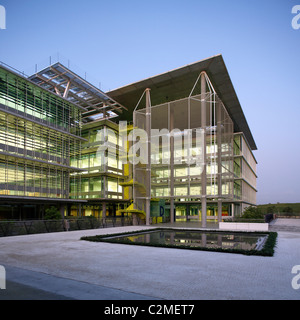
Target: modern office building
x=196, y=99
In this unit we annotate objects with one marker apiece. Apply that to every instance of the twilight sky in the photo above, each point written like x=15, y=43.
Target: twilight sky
x=118, y=42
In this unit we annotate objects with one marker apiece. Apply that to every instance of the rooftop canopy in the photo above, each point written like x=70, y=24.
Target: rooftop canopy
x=177, y=84
x=69, y=85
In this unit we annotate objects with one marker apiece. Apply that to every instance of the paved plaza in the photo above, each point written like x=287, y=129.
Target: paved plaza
x=60, y=266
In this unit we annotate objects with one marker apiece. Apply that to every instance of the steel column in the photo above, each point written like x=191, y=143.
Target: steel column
x=148, y=166
x=203, y=126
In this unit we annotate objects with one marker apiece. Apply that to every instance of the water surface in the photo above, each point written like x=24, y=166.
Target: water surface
x=201, y=239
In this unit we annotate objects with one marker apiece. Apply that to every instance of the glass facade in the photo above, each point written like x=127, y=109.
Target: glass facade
x=244, y=172
x=34, y=141
x=29, y=101
x=32, y=179
x=39, y=132
x=99, y=179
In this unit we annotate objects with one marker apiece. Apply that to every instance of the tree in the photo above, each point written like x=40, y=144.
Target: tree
x=288, y=211
x=252, y=213
x=271, y=209
x=52, y=213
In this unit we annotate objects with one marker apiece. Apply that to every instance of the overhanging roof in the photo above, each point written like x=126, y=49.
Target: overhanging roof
x=64, y=82
x=177, y=84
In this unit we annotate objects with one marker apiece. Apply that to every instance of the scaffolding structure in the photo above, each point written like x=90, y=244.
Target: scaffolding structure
x=178, y=179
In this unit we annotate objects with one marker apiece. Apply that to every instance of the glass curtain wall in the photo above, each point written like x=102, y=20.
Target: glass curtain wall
x=20, y=96
x=244, y=171
x=39, y=132
x=98, y=180
x=28, y=139
x=32, y=179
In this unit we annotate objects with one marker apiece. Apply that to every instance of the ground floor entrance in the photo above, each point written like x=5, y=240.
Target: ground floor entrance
x=99, y=209
x=190, y=211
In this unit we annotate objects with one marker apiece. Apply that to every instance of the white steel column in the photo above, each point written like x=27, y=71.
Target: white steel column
x=148, y=166
x=219, y=143
x=171, y=127
x=203, y=126
x=67, y=89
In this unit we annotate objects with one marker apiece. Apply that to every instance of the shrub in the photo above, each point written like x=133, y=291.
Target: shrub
x=52, y=213
x=252, y=213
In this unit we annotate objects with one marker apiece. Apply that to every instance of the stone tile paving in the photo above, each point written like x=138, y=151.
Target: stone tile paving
x=160, y=273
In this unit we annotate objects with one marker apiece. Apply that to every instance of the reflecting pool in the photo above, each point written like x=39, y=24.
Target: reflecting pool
x=194, y=238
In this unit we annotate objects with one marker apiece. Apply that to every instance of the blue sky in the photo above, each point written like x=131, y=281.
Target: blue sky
x=117, y=42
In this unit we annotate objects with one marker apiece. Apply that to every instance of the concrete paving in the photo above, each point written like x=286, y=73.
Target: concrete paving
x=59, y=266
x=291, y=225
